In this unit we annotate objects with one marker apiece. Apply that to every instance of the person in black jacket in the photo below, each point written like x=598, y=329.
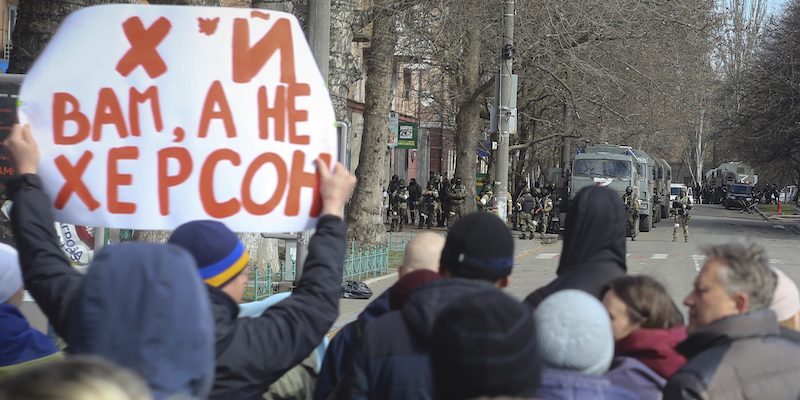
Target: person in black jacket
x=140, y=305
x=393, y=358
x=252, y=353
x=594, y=245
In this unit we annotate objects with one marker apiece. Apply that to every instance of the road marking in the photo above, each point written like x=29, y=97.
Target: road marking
x=547, y=255
x=697, y=258
x=659, y=256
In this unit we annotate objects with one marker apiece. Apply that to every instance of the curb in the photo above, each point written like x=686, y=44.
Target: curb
x=380, y=278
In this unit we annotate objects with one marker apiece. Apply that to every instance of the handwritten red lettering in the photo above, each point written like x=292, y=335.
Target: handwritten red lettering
x=248, y=61
x=61, y=116
x=301, y=179
x=216, y=96
x=166, y=181
x=115, y=179
x=247, y=199
x=74, y=183
x=276, y=113
x=143, y=47
x=108, y=112
x=213, y=208
x=295, y=116
x=137, y=98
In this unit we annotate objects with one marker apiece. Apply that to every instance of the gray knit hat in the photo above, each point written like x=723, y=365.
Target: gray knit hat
x=573, y=330
x=10, y=274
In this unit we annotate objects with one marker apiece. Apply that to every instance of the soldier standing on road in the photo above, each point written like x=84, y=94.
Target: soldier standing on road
x=457, y=195
x=487, y=201
x=631, y=202
x=429, y=206
x=445, y=197
x=414, y=192
x=528, y=206
x=681, y=206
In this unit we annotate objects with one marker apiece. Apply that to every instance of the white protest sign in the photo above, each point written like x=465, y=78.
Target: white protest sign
x=151, y=116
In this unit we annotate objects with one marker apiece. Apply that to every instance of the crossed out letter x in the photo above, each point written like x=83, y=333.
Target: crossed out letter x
x=143, y=47
x=74, y=183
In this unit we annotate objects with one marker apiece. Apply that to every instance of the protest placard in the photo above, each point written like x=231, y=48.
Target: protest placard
x=151, y=116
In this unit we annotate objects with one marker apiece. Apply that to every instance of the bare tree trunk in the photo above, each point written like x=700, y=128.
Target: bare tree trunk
x=277, y=5
x=468, y=119
x=365, y=220
x=37, y=22
x=342, y=68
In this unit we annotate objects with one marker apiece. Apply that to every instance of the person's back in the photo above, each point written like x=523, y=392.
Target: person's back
x=393, y=360
x=252, y=353
x=21, y=346
x=593, y=253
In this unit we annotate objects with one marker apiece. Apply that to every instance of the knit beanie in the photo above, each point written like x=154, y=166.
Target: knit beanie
x=10, y=274
x=219, y=253
x=479, y=246
x=786, y=299
x=400, y=292
x=574, y=333
x=484, y=345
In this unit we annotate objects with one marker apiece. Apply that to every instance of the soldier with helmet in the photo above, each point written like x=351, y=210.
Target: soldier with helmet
x=680, y=207
x=528, y=206
x=429, y=208
x=631, y=202
x=457, y=195
x=400, y=205
x=487, y=200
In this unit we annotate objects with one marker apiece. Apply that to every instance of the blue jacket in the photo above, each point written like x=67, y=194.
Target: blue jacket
x=140, y=305
x=19, y=343
x=566, y=385
x=632, y=374
x=392, y=361
x=340, y=350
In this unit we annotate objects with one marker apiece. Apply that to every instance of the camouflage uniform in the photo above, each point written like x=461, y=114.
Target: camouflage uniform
x=400, y=201
x=632, y=207
x=682, y=215
x=486, y=201
x=527, y=205
x=429, y=206
x=457, y=195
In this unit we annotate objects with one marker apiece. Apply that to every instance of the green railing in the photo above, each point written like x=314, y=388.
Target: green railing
x=361, y=263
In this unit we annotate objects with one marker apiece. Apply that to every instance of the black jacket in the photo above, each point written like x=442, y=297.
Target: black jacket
x=140, y=305
x=594, y=245
x=738, y=357
x=392, y=361
x=252, y=353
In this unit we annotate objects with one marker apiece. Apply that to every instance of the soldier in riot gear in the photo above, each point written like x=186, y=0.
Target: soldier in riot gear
x=528, y=206
x=680, y=208
x=631, y=202
x=457, y=195
x=399, y=200
x=414, y=193
x=429, y=206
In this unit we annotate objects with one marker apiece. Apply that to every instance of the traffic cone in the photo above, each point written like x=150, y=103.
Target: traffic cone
x=779, y=207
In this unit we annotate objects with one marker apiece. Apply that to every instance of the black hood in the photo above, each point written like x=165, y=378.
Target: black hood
x=594, y=231
x=143, y=306
x=430, y=299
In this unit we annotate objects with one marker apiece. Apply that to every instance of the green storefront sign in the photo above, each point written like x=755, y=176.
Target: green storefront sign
x=407, y=135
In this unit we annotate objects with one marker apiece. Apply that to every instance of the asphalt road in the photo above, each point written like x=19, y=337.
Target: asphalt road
x=653, y=253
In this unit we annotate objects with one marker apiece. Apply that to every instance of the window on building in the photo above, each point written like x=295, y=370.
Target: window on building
x=406, y=85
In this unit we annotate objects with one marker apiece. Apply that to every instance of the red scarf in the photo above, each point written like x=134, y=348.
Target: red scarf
x=655, y=348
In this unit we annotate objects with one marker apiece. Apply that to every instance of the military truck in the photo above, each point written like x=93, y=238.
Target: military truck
x=663, y=182
x=717, y=182
x=647, y=179
x=606, y=165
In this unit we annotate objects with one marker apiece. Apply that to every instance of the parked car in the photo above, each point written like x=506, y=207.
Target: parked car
x=739, y=195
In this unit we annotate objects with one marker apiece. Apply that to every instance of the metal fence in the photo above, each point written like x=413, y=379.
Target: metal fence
x=361, y=263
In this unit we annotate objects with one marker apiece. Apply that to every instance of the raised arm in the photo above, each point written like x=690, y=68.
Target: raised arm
x=46, y=271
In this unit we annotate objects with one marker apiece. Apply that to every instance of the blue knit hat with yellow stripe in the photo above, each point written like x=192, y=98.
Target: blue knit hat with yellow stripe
x=219, y=253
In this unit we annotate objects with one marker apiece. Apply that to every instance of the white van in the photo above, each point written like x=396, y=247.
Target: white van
x=675, y=190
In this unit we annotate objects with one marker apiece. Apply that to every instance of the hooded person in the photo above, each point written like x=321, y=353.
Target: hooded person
x=21, y=346
x=140, y=305
x=593, y=253
x=393, y=359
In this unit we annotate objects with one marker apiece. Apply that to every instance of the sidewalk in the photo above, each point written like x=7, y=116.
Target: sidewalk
x=523, y=279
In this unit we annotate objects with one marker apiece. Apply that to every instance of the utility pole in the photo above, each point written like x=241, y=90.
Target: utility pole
x=318, y=32
x=506, y=114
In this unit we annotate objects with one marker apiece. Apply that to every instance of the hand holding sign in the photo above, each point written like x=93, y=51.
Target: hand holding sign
x=186, y=113
x=22, y=149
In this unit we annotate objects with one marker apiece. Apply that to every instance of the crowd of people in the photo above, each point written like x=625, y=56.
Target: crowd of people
x=162, y=321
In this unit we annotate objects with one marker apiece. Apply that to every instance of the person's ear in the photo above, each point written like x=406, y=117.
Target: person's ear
x=400, y=271
x=742, y=302
x=503, y=282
